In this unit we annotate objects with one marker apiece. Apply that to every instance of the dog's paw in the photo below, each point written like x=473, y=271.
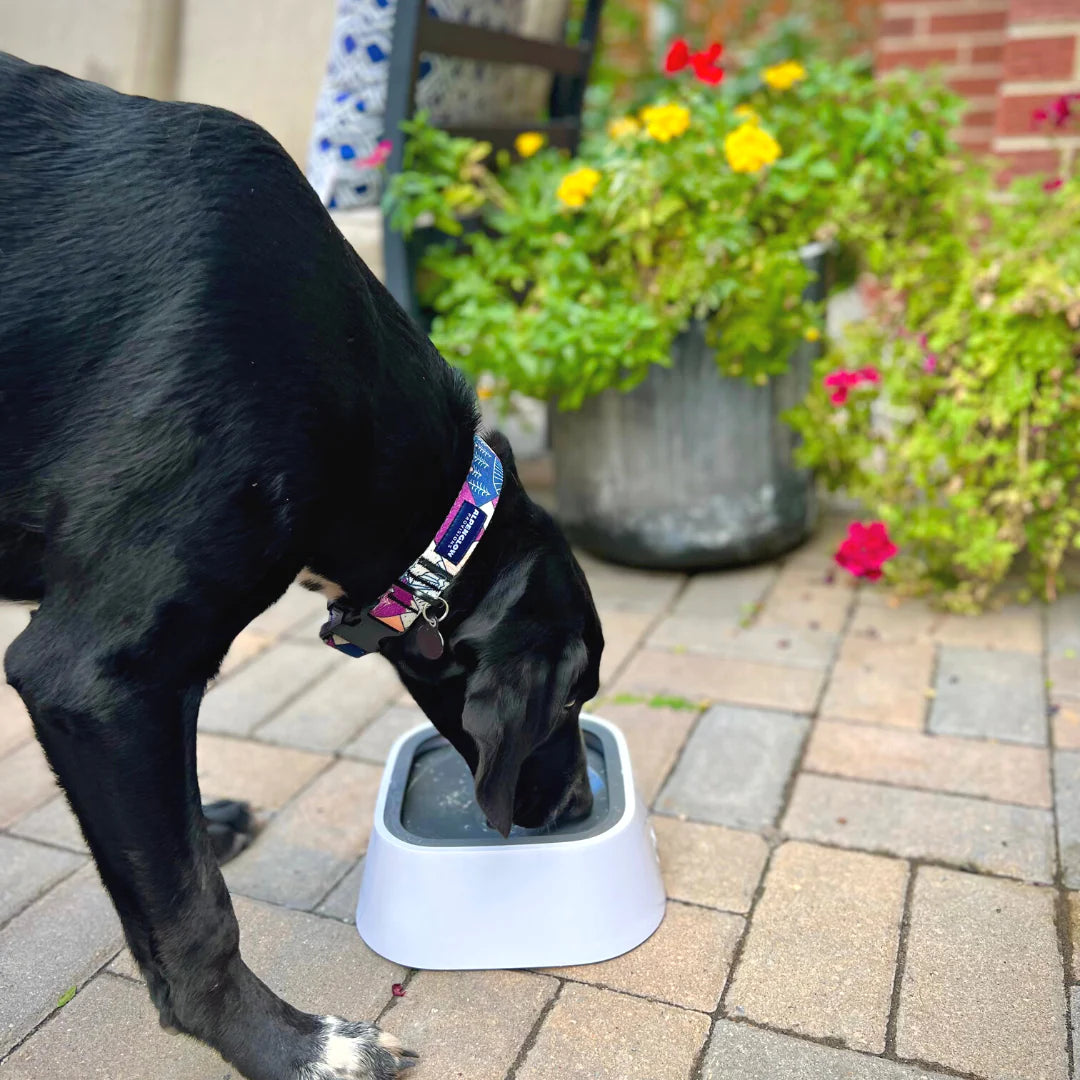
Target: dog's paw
x=230, y=826
x=358, y=1051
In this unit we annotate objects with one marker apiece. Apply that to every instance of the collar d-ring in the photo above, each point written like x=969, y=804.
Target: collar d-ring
x=430, y=618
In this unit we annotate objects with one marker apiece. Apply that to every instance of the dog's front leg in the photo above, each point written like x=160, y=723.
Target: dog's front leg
x=118, y=726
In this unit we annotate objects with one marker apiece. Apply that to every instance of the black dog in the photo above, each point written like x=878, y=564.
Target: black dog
x=203, y=393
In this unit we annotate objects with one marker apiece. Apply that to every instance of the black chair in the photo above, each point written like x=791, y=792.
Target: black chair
x=416, y=31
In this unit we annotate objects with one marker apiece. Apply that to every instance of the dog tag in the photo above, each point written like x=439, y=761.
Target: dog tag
x=429, y=641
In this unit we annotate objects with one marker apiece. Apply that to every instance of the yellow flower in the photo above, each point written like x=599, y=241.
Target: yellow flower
x=784, y=76
x=528, y=142
x=812, y=333
x=624, y=125
x=577, y=186
x=748, y=148
x=744, y=112
x=665, y=122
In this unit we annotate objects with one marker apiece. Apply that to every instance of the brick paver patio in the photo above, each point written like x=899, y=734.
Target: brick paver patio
x=868, y=817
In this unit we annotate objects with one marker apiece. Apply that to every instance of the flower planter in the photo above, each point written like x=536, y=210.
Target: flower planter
x=690, y=470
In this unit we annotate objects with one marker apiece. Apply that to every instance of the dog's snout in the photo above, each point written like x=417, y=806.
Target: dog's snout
x=579, y=802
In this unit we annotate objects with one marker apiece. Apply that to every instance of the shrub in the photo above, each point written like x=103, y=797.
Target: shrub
x=967, y=446
x=578, y=274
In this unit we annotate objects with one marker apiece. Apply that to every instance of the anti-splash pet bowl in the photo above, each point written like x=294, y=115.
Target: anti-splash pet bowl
x=442, y=890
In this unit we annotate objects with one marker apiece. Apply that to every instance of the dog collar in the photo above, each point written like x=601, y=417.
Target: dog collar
x=418, y=593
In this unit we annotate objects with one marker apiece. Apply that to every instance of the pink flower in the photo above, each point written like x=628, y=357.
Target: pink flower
x=865, y=550
x=397, y=990
x=377, y=156
x=1053, y=185
x=929, y=364
x=842, y=381
x=1059, y=110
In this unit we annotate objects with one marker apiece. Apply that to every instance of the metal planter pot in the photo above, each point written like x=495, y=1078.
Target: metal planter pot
x=690, y=470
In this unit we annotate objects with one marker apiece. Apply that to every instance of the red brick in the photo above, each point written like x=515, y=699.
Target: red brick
x=1040, y=58
x=975, y=87
x=1024, y=163
x=1042, y=10
x=984, y=118
x=914, y=58
x=962, y=24
x=897, y=28
x=987, y=54
x=1015, y=115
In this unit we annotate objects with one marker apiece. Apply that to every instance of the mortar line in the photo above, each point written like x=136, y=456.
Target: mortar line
x=608, y=988
x=652, y=624
x=1061, y=898
x=993, y=740
x=93, y=977
x=928, y=790
x=699, y=712
x=290, y=699
x=781, y=836
x=84, y=859
x=838, y=1044
x=720, y=1012
x=893, y=1017
x=931, y=695
x=815, y=714
x=325, y=896
x=406, y=980
x=534, y=1032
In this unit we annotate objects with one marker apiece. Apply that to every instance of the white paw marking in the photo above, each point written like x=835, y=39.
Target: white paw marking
x=353, y=1052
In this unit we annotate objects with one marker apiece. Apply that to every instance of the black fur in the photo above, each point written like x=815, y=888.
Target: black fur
x=202, y=391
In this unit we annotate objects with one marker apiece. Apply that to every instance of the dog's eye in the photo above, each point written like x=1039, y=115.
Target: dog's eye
x=570, y=704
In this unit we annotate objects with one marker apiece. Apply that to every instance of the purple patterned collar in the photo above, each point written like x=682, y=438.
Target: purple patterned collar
x=418, y=593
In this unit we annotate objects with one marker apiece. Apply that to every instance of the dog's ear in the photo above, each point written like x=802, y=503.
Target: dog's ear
x=510, y=709
x=497, y=704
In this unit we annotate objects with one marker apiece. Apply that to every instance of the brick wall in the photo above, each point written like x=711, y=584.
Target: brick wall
x=966, y=39
x=1006, y=57
x=1042, y=62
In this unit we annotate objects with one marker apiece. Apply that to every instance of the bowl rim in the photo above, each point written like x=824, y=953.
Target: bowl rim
x=399, y=764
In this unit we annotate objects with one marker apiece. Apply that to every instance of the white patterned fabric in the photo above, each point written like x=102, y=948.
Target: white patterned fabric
x=350, y=113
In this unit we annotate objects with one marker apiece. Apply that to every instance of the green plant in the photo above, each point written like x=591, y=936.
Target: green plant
x=579, y=274
x=966, y=447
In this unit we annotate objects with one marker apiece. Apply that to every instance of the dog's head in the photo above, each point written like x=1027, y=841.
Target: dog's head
x=522, y=655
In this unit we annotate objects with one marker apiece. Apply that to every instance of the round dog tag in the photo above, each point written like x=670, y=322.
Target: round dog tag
x=429, y=641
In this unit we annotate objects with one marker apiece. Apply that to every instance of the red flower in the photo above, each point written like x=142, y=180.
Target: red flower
x=397, y=990
x=865, y=550
x=704, y=63
x=705, y=69
x=678, y=56
x=869, y=374
x=1053, y=185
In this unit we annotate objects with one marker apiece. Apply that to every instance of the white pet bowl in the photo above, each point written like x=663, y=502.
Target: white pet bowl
x=441, y=890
